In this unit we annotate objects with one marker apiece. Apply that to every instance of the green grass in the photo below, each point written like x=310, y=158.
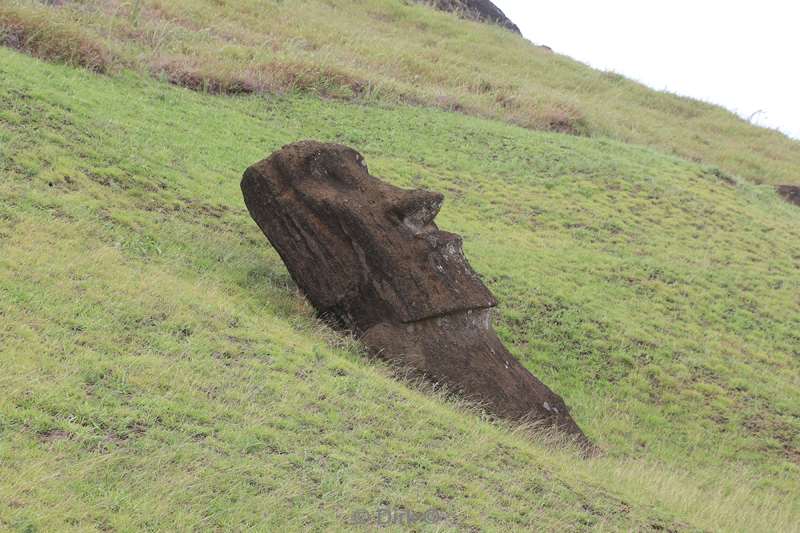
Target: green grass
x=160, y=370
x=389, y=51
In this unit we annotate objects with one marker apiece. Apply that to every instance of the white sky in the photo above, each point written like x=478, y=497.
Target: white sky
x=742, y=55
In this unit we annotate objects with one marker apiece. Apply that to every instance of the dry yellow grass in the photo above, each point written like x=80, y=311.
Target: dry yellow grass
x=392, y=52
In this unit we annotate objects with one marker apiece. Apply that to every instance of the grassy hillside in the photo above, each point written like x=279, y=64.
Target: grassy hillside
x=389, y=51
x=159, y=369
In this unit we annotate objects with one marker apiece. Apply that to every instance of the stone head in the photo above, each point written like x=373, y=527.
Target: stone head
x=362, y=250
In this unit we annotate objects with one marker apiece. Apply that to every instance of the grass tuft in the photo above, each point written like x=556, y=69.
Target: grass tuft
x=36, y=33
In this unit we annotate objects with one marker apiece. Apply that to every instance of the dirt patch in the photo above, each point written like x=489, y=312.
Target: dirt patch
x=792, y=454
x=203, y=208
x=564, y=123
x=185, y=72
x=790, y=193
x=132, y=431
x=562, y=119
x=275, y=77
x=54, y=435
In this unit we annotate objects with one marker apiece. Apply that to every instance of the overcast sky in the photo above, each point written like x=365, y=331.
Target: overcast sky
x=743, y=55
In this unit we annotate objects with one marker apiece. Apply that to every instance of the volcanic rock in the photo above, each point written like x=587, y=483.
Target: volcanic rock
x=370, y=258
x=481, y=10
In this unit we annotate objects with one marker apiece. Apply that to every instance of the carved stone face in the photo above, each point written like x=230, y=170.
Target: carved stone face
x=362, y=250
x=369, y=254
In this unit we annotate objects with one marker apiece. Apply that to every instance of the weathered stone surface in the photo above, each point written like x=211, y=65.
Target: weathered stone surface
x=369, y=256
x=363, y=251
x=463, y=351
x=790, y=193
x=482, y=10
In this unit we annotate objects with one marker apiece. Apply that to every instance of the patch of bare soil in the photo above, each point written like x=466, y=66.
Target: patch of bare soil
x=790, y=193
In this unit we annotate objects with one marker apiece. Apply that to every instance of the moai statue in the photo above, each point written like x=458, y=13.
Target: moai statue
x=370, y=258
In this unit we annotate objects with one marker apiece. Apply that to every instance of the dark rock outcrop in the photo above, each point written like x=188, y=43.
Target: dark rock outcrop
x=369, y=256
x=481, y=10
x=790, y=193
